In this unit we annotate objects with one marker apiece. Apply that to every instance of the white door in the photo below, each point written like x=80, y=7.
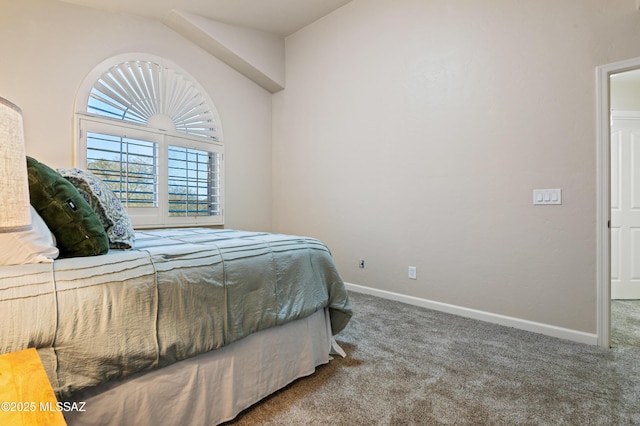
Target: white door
x=625, y=207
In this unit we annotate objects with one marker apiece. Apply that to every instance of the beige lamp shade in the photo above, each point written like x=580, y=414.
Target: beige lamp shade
x=15, y=214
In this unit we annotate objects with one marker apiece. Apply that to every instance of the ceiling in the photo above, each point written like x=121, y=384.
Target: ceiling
x=281, y=17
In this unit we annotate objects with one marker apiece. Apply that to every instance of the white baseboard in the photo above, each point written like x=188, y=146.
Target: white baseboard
x=535, y=327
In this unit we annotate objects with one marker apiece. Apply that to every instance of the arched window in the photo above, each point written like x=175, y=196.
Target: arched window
x=152, y=134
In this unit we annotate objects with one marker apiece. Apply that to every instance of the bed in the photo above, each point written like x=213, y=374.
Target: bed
x=191, y=326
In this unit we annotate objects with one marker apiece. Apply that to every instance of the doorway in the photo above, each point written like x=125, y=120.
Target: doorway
x=624, y=93
x=610, y=244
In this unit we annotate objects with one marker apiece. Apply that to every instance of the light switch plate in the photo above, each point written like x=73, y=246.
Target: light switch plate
x=547, y=196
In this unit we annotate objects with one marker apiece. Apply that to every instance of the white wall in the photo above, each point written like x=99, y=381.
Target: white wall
x=413, y=133
x=48, y=47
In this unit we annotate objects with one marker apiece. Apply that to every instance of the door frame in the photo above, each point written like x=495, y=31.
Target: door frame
x=603, y=208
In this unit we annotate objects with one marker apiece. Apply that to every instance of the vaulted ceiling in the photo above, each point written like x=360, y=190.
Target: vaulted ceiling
x=281, y=17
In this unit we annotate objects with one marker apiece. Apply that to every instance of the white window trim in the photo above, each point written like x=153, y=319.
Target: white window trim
x=148, y=217
x=84, y=121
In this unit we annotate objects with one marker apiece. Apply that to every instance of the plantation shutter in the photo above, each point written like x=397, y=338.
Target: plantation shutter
x=146, y=93
x=129, y=166
x=150, y=132
x=194, y=178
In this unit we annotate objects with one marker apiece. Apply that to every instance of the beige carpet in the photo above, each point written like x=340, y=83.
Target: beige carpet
x=413, y=366
x=625, y=323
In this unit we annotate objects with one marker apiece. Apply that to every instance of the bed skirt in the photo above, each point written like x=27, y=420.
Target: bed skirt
x=213, y=387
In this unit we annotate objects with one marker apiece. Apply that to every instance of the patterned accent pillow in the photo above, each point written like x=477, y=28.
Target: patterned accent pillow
x=107, y=206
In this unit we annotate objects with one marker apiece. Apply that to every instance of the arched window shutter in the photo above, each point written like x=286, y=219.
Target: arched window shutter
x=148, y=93
x=151, y=133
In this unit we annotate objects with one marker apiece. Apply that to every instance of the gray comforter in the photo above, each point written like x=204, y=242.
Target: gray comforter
x=178, y=293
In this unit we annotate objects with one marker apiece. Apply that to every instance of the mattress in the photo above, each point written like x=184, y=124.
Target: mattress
x=179, y=293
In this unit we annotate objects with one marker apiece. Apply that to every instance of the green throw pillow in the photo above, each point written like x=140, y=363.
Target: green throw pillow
x=77, y=228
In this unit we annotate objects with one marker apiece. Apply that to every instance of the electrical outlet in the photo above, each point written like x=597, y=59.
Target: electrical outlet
x=361, y=263
x=413, y=273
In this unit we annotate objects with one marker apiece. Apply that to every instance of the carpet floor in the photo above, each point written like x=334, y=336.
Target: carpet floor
x=408, y=365
x=625, y=323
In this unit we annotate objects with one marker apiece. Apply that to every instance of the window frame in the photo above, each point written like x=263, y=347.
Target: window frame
x=153, y=217
x=86, y=121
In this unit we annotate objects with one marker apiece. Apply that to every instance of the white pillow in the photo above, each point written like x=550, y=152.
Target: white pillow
x=37, y=245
